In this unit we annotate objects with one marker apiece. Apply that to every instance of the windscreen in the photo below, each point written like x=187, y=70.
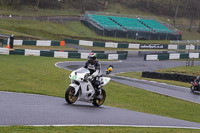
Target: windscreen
x=82, y=70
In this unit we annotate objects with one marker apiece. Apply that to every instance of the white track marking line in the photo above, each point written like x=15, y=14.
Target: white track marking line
x=80, y=62
x=102, y=125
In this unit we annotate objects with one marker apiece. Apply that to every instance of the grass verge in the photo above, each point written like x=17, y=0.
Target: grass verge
x=71, y=29
x=38, y=75
x=25, y=129
x=30, y=11
x=180, y=70
x=58, y=31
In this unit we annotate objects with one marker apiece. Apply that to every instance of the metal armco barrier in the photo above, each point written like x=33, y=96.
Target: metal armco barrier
x=168, y=76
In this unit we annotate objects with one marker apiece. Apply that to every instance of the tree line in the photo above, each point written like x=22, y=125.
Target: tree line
x=94, y=5
x=174, y=8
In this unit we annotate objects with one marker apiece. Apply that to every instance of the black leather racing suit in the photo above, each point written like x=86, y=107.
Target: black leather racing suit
x=95, y=71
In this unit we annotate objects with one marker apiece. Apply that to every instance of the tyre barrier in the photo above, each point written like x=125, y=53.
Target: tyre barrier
x=168, y=76
x=58, y=54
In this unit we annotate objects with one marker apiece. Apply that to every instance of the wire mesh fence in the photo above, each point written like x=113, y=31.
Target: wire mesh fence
x=58, y=19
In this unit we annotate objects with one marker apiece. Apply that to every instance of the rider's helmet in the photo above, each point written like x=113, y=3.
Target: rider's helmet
x=92, y=57
x=111, y=66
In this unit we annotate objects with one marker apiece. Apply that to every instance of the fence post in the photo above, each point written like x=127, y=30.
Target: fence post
x=192, y=62
x=11, y=41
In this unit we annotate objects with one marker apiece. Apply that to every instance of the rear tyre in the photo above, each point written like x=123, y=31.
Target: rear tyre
x=98, y=101
x=69, y=95
x=192, y=88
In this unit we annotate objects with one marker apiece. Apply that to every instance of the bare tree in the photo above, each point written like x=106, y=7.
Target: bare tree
x=148, y=3
x=193, y=8
x=18, y=2
x=199, y=27
x=106, y=3
x=176, y=11
x=37, y=5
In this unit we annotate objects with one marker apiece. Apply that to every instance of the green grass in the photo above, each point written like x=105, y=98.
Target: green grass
x=194, y=70
x=80, y=29
x=28, y=129
x=180, y=70
x=58, y=31
x=190, y=35
x=32, y=75
x=45, y=30
x=19, y=34
x=38, y=75
x=29, y=11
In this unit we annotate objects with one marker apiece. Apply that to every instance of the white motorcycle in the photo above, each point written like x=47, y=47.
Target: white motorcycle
x=81, y=88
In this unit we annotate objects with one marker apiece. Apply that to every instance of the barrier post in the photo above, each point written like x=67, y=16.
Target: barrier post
x=192, y=62
x=11, y=41
x=62, y=43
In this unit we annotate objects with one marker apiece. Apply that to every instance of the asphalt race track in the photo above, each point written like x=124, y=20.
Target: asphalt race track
x=161, y=88
x=30, y=109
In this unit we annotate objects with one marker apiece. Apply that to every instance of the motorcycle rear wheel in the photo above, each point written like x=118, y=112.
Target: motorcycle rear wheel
x=99, y=101
x=192, y=88
x=69, y=95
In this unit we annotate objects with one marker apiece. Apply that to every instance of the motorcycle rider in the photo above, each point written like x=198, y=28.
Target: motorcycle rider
x=197, y=80
x=94, y=67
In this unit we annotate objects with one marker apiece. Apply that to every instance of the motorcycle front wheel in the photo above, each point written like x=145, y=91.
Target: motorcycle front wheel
x=98, y=101
x=69, y=95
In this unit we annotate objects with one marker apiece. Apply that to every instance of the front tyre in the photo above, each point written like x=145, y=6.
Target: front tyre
x=98, y=101
x=69, y=95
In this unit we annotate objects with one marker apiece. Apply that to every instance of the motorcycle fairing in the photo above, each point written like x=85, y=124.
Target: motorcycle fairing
x=76, y=87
